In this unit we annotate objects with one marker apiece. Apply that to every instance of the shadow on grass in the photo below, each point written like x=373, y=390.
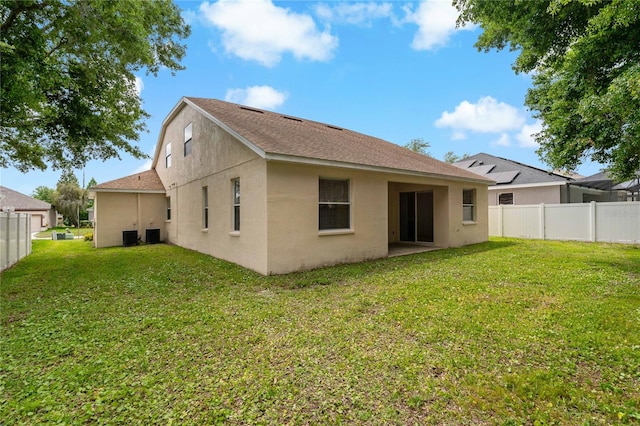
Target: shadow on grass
x=338, y=274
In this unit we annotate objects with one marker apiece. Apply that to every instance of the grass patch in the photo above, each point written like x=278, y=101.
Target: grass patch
x=74, y=231
x=505, y=332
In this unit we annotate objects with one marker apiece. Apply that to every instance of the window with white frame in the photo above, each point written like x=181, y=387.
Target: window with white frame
x=205, y=207
x=167, y=155
x=188, y=135
x=168, y=208
x=334, y=205
x=235, y=184
x=468, y=205
x=505, y=198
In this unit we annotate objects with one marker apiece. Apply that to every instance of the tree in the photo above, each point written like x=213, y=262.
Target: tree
x=67, y=176
x=584, y=57
x=45, y=194
x=70, y=199
x=451, y=157
x=67, y=83
x=92, y=182
x=419, y=145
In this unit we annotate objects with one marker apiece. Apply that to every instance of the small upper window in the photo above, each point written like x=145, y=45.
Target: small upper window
x=236, y=204
x=205, y=207
x=188, y=133
x=505, y=198
x=167, y=155
x=334, y=210
x=468, y=205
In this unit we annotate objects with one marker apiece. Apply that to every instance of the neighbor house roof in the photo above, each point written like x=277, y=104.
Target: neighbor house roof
x=281, y=137
x=140, y=182
x=604, y=181
x=19, y=201
x=508, y=172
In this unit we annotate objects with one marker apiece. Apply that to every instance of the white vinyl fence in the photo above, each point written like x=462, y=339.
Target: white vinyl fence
x=15, y=238
x=605, y=222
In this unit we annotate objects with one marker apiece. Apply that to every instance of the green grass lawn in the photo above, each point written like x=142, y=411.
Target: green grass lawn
x=506, y=332
x=74, y=231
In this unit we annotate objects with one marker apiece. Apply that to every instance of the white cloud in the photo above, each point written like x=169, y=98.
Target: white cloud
x=147, y=164
x=190, y=17
x=354, y=13
x=436, y=22
x=503, y=140
x=139, y=85
x=525, y=137
x=144, y=167
x=264, y=97
x=486, y=116
x=260, y=31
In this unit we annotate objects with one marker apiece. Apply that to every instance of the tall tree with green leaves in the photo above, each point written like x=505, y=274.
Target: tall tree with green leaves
x=419, y=145
x=451, y=157
x=67, y=82
x=584, y=58
x=70, y=199
x=44, y=193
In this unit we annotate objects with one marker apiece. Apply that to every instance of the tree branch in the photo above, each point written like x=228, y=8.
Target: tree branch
x=17, y=11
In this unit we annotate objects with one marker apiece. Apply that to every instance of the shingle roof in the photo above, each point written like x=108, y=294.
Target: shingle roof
x=140, y=182
x=279, y=134
x=19, y=201
x=526, y=174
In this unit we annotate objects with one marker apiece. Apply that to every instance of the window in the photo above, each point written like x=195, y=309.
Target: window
x=167, y=155
x=188, y=133
x=168, y=208
x=205, y=207
x=236, y=204
x=334, y=205
x=468, y=205
x=506, y=198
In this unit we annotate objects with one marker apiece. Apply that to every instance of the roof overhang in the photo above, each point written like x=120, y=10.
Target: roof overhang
x=528, y=185
x=92, y=192
x=355, y=166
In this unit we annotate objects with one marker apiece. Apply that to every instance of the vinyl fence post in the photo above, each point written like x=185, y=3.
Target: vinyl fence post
x=500, y=224
x=592, y=221
x=18, y=235
x=542, y=230
x=7, y=255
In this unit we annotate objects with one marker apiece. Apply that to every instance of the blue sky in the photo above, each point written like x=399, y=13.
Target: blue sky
x=394, y=70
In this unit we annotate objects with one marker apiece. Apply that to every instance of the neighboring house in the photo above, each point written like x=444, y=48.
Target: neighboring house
x=277, y=194
x=517, y=183
x=610, y=189
x=43, y=214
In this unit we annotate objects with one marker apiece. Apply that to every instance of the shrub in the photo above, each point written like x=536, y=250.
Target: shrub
x=88, y=237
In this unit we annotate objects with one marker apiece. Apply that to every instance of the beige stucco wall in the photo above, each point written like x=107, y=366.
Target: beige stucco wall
x=216, y=158
x=125, y=211
x=294, y=241
x=461, y=233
